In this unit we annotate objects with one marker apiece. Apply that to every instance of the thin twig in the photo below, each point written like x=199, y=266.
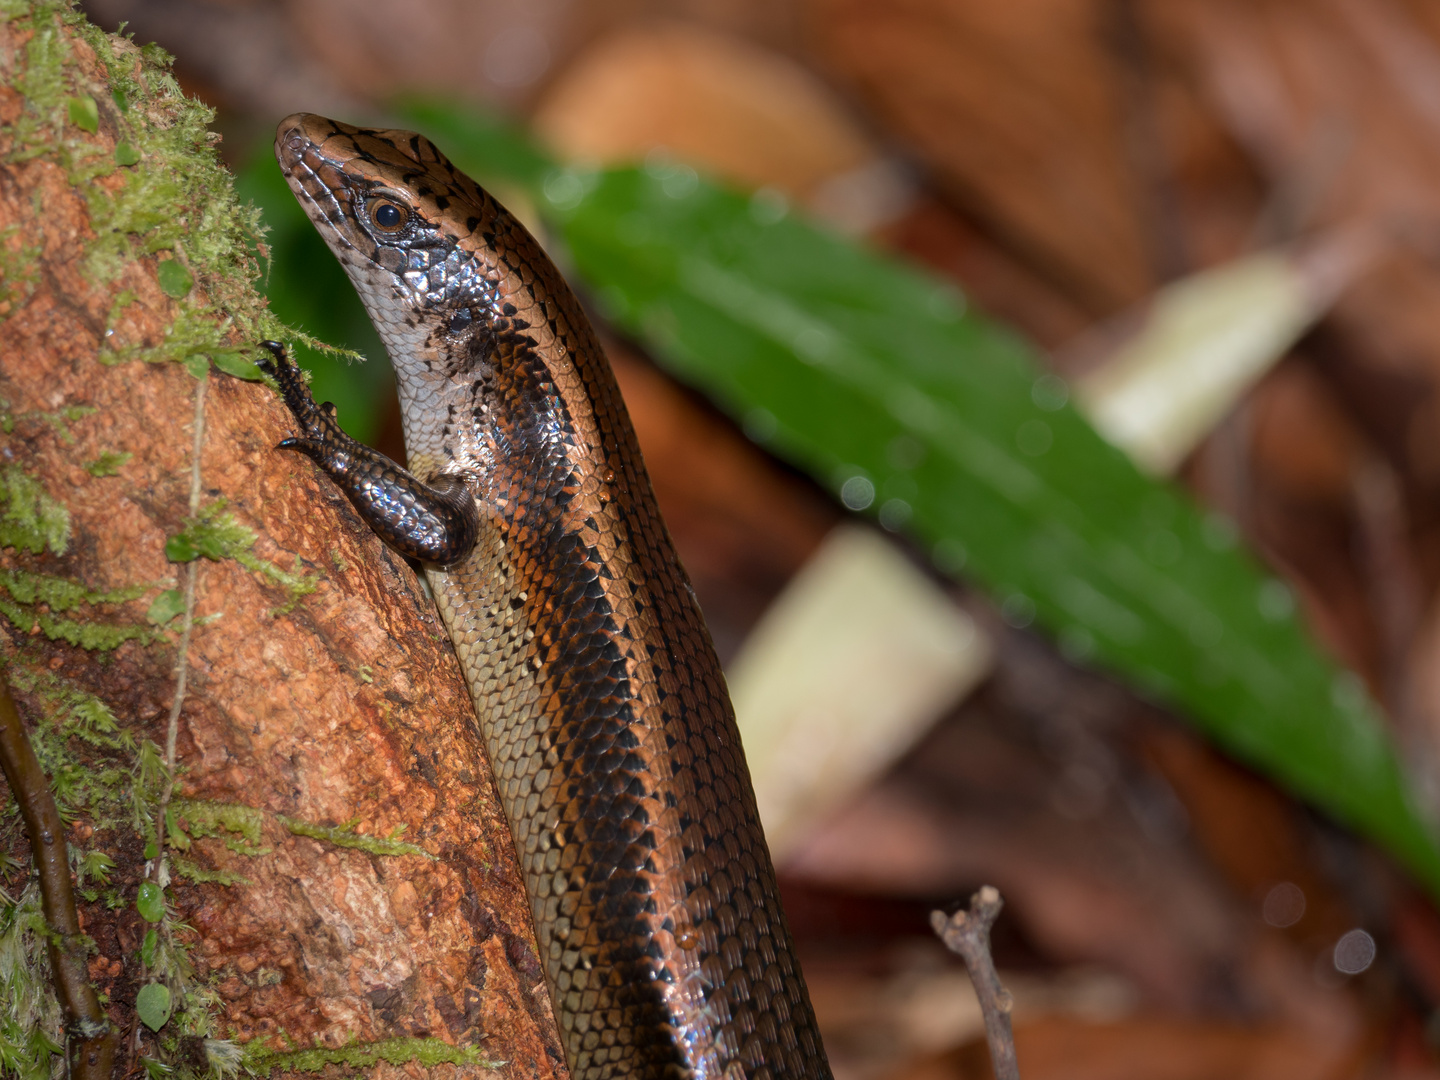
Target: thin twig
x=90, y=1040
x=182, y=663
x=968, y=934
x=191, y=570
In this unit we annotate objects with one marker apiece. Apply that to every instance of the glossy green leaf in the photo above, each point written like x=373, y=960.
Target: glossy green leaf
x=150, y=901
x=238, y=365
x=175, y=279
x=171, y=602
x=152, y=1005
x=84, y=113
x=877, y=379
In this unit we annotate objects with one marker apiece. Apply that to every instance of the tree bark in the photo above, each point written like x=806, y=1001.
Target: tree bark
x=347, y=709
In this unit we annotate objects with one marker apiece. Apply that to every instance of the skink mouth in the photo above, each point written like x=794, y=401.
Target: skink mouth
x=317, y=181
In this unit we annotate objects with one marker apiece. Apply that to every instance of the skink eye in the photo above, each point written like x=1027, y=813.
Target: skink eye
x=387, y=216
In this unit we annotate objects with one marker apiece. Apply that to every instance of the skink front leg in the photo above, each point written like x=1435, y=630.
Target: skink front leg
x=436, y=522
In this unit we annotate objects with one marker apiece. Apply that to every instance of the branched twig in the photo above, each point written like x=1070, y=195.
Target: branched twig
x=968, y=933
x=90, y=1040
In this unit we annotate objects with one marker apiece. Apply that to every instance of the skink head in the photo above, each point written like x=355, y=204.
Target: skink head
x=402, y=220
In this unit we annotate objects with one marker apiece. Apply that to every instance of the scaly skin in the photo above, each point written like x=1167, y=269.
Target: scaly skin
x=599, y=696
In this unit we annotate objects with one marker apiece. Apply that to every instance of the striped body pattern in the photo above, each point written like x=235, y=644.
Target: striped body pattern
x=600, y=700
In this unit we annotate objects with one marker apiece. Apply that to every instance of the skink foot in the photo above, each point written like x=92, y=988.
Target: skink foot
x=435, y=523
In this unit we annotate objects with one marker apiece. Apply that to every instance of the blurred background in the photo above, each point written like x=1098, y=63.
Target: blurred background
x=872, y=277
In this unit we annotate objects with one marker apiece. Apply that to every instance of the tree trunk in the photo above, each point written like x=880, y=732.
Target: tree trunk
x=322, y=708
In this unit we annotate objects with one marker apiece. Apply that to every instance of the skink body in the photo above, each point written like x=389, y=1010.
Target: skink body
x=599, y=697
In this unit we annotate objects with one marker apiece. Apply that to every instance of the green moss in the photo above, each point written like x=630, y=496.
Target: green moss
x=183, y=867
x=362, y=1055
x=59, y=419
x=217, y=535
x=61, y=594
x=31, y=1023
x=344, y=836
x=202, y=818
x=34, y=599
x=109, y=463
x=29, y=518
x=101, y=787
x=19, y=269
x=171, y=203
x=177, y=196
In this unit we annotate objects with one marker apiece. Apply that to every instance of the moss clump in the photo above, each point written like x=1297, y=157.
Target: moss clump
x=109, y=463
x=176, y=196
x=344, y=836
x=29, y=518
x=195, y=819
x=19, y=269
x=358, y=1055
x=217, y=535
x=106, y=784
x=34, y=599
x=31, y=1024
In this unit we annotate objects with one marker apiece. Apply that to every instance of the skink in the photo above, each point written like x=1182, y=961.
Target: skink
x=599, y=697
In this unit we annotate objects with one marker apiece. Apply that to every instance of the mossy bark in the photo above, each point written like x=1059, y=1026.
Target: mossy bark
x=323, y=708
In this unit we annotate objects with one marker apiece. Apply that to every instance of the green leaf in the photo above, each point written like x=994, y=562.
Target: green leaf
x=169, y=603
x=147, y=947
x=175, y=280
x=126, y=154
x=236, y=364
x=875, y=378
x=150, y=901
x=152, y=1005
x=180, y=549
x=198, y=366
x=84, y=113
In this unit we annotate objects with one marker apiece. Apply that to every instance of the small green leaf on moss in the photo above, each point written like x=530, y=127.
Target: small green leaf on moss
x=150, y=902
x=108, y=463
x=147, y=947
x=175, y=279
x=84, y=113
x=152, y=1005
x=197, y=365
x=168, y=604
x=122, y=99
x=234, y=363
x=126, y=154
